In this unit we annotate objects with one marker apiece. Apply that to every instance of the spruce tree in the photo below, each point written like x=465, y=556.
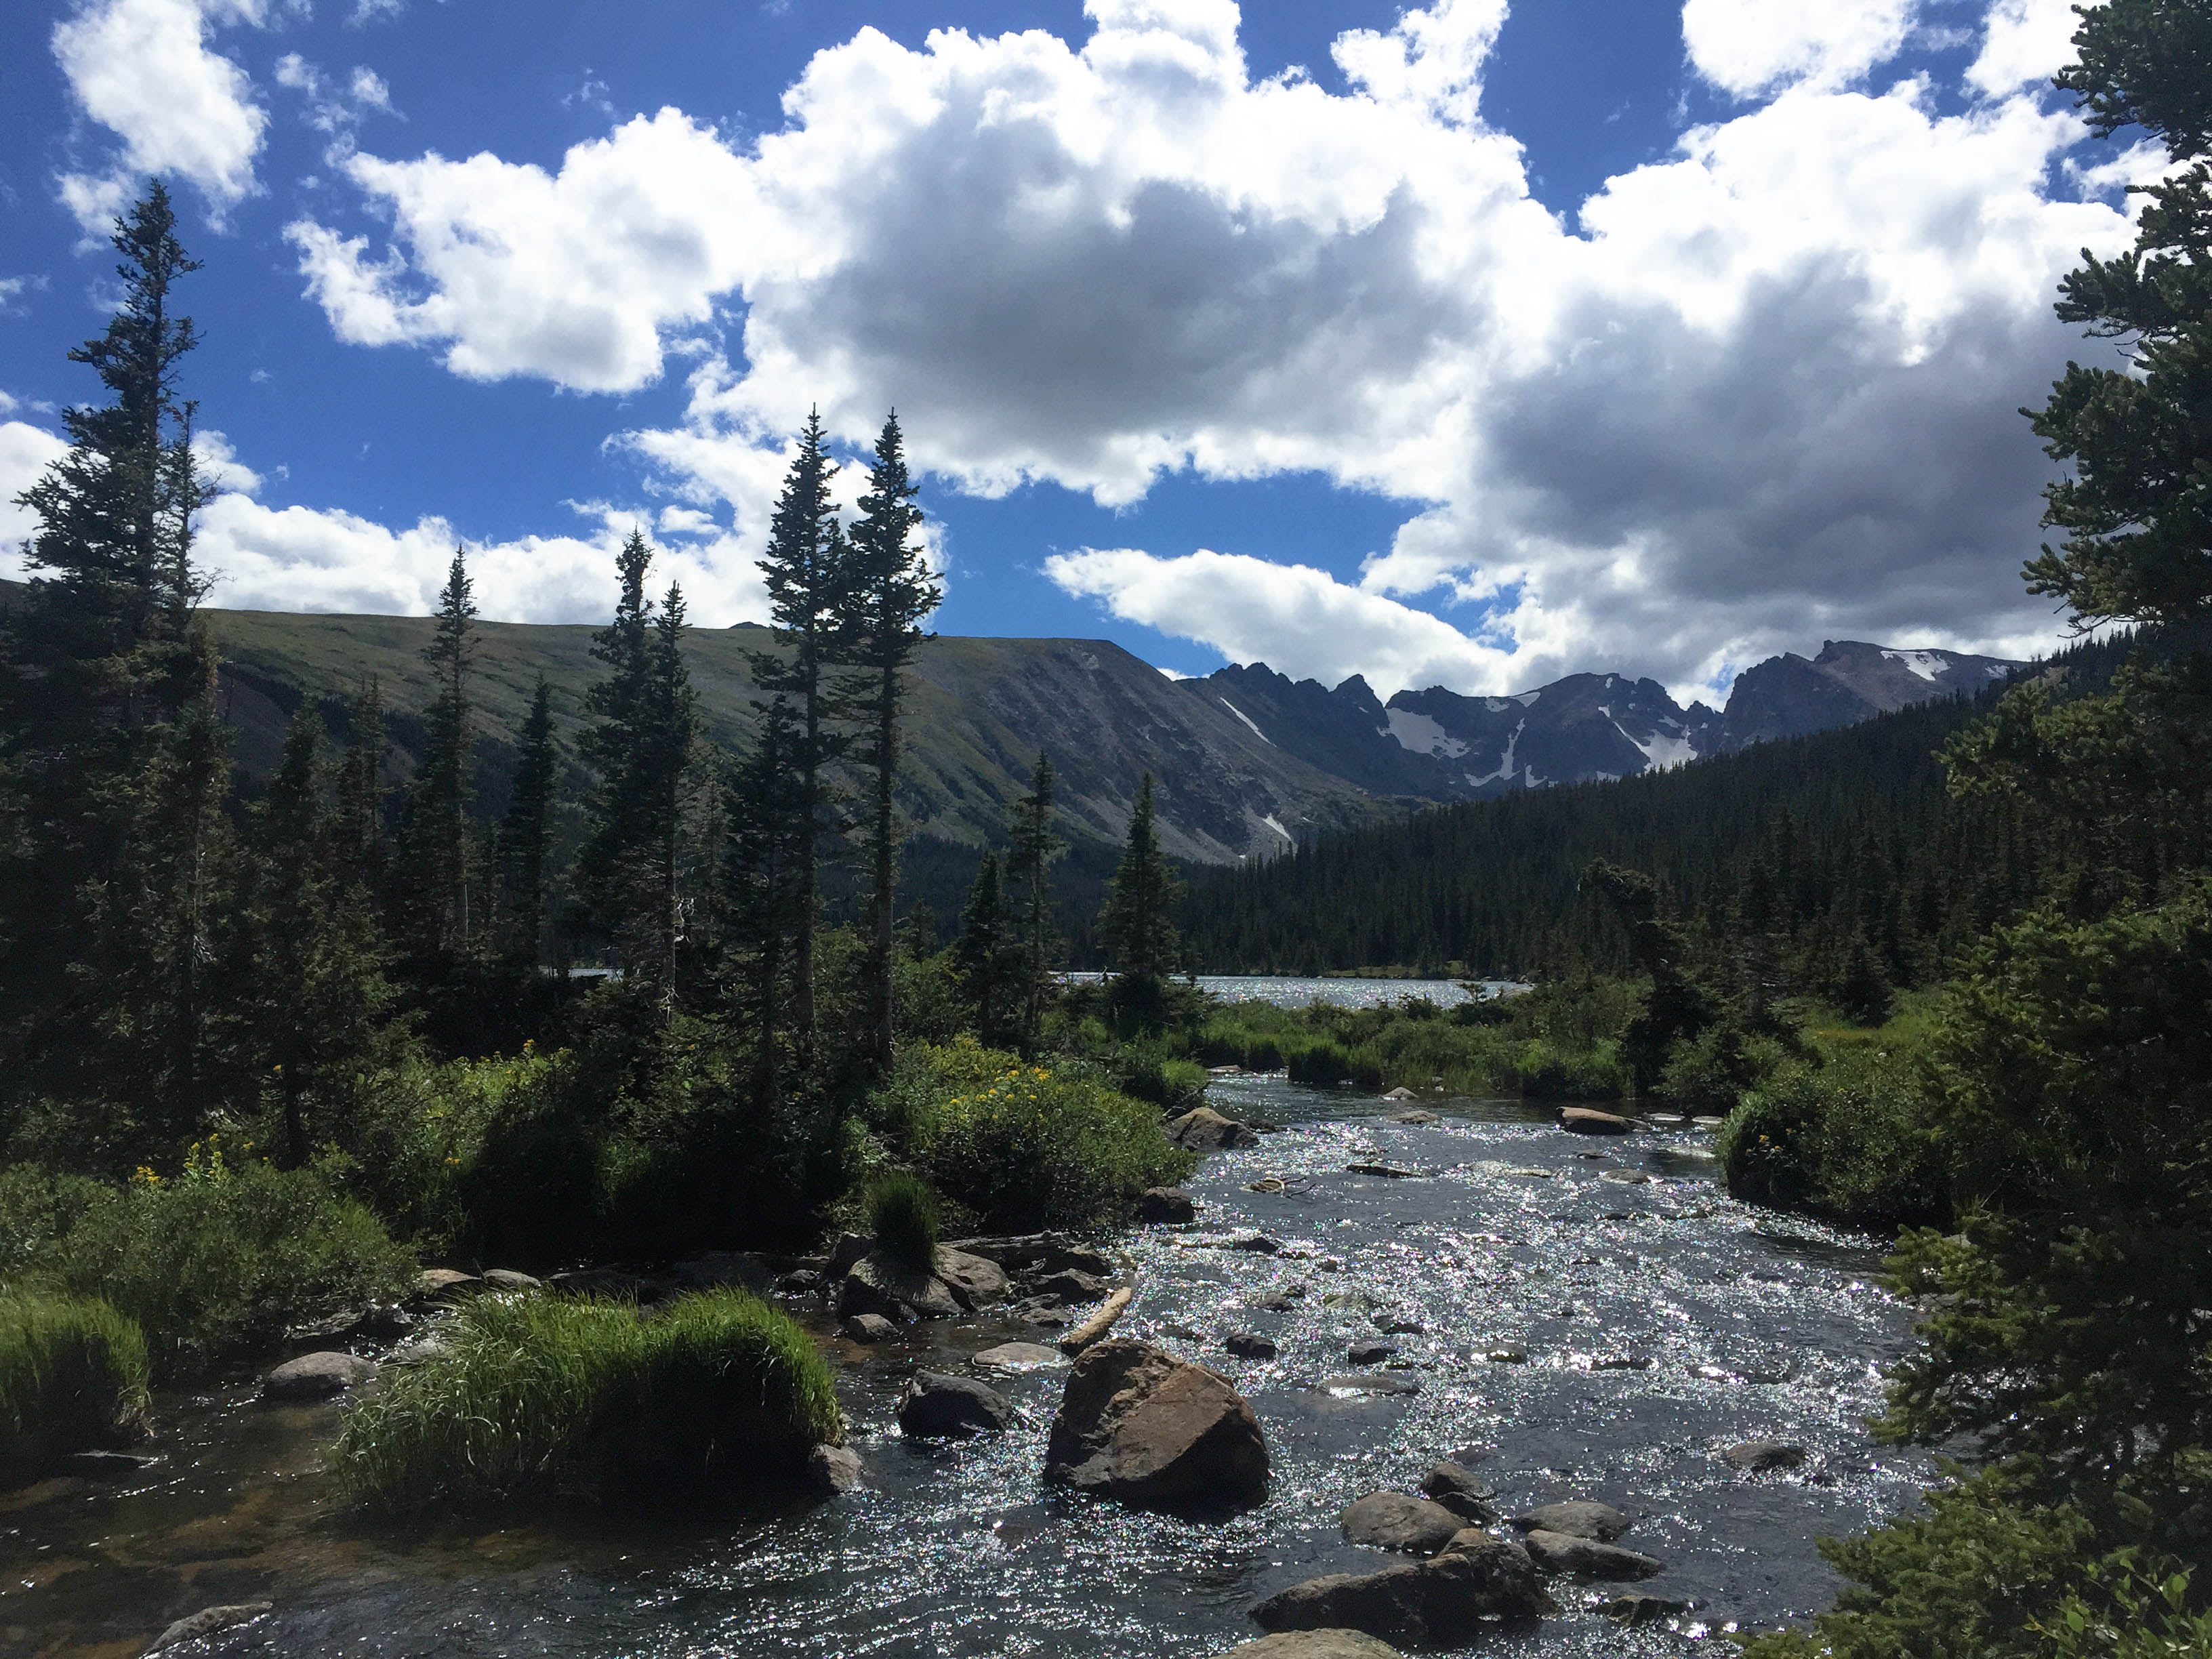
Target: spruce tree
x=807, y=569
x=765, y=831
x=631, y=868
x=889, y=592
x=362, y=849
x=987, y=955
x=102, y=659
x=1137, y=923
x=444, y=915
x=525, y=833
x=1035, y=845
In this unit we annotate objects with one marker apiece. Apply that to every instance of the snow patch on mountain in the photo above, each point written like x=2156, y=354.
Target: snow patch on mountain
x=1421, y=734
x=1256, y=732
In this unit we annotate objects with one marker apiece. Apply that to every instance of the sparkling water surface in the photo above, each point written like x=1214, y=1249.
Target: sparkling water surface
x=1514, y=1236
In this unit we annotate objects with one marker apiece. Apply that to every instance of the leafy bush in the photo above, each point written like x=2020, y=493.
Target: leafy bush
x=72, y=1374
x=223, y=1256
x=1023, y=1147
x=1848, y=1135
x=545, y=1397
x=1545, y=1068
x=37, y=1207
x=902, y=1216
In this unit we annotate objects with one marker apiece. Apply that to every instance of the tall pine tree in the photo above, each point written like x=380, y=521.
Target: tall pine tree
x=525, y=833
x=1035, y=845
x=1138, y=920
x=807, y=568
x=437, y=898
x=889, y=592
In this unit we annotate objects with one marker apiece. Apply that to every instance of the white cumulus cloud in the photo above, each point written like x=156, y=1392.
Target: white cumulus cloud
x=1758, y=393
x=144, y=70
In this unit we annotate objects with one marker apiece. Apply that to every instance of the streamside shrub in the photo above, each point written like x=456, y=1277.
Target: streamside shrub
x=73, y=1374
x=223, y=1255
x=1023, y=1147
x=1848, y=1135
x=545, y=1398
x=1546, y=1068
x=902, y=1216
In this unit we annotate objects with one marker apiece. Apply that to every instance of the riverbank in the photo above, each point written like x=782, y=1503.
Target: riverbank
x=1755, y=1326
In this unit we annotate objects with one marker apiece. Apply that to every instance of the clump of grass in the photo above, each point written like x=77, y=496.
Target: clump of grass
x=542, y=1398
x=73, y=1374
x=903, y=1216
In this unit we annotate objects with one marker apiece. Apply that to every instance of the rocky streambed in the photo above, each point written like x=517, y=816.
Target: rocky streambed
x=1564, y=1319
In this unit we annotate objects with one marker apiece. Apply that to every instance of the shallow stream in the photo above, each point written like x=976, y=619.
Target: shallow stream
x=1659, y=1321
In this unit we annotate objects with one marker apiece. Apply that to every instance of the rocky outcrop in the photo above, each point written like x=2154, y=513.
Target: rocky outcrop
x=1398, y=1521
x=1205, y=1130
x=1585, y=1557
x=937, y=1406
x=1577, y=1519
x=1447, y=1600
x=315, y=1377
x=1139, y=1425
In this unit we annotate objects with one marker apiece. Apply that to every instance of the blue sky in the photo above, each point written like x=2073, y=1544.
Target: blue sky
x=1466, y=344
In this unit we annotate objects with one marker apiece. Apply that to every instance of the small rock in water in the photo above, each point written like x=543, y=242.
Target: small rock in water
x=315, y=1377
x=1454, y=1485
x=1625, y=1178
x=445, y=1285
x=1621, y=1362
x=1205, y=1130
x=1508, y=1356
x=1369, y=1384
x=1588, y=1120
x=1274, y=1302
x=107, y=1465
x=1399, y=1325
x=1576, y=1518
x=1450, y=1599
x=1637, y=1608
x=1369, y=1353
x=206, y=1622
x=1708, y=1122
x=1315, y=1645
x=1585, y=1557
x=1249, y=1345
x=1021, y=1356
x=1400, y=1093
x=1399, y=1521
x=1166, y=1205
x=1388, y=1171
x=1416, y=1118
x=1070, y=1287
x=833, y=1470
x=1468, y=1456
x=505, y=1278
x=1265, y=1184
x=936, y=1405
x=1257, y=1244
x=867, y=1327
x=802, y=1281
x=1762, y=1456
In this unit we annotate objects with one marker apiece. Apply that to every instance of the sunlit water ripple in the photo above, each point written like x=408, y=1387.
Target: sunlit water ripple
x=1514, y=1238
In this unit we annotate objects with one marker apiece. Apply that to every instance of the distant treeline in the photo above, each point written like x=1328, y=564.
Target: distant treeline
x=1794, y=862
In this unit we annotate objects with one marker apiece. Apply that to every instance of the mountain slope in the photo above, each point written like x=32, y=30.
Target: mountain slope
x=981, y=709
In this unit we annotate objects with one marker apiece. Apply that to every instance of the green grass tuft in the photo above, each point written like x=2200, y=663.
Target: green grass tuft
x=543, y=1397
x=73, y=1374
x=903, y=1217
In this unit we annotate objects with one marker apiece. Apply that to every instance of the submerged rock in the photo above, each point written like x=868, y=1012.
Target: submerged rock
x=315, y=1377
x=1446, y=1600
x=1368, y=1384
x=1577, y=1519
x=1415, y=1117
x=1637, y=1608
x=936, y=1405
x=1399, y=1521
x=104, y=1465
x=867, y=1327
x=1585, y=1557
x=1021, y=1356
x=1370, y=1353
x=1166, y=1204
x=206, y=1622
x=505, y=1278
x=1139, y=1425
x=1763, y=1456
x=1205, y=1130
x=1249, y=1345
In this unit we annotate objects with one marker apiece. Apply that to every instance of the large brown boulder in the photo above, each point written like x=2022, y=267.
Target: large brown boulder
x=1206, y=1130
x=1447, y=1600
x=974, y=1280
x=1399, y=1521
x=1585, y=1557
x=1139, y=1425
x=1589, y=1120
x=1577, y=1519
